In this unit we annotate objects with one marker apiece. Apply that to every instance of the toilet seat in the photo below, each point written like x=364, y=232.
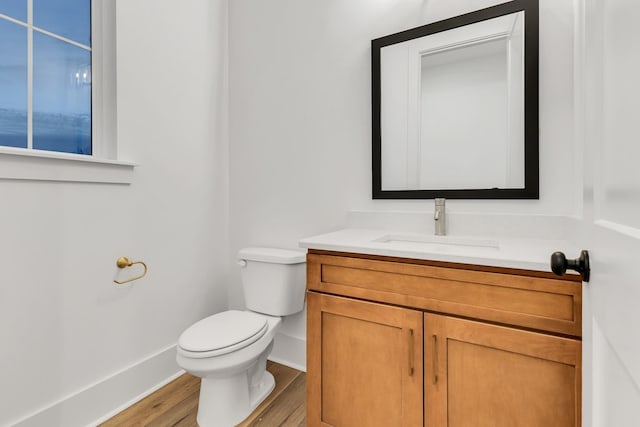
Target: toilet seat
x=222, y=333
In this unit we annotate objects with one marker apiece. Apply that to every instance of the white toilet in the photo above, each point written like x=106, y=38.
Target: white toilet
x=229, y=350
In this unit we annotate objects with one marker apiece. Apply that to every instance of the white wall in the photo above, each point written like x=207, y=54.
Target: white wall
x=63, y=324
x=300, y=116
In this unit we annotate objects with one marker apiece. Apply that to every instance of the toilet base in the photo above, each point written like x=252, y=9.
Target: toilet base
x=225, y=402
x=260, y=393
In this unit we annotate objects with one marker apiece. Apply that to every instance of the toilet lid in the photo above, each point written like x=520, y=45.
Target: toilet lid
x=225, y=332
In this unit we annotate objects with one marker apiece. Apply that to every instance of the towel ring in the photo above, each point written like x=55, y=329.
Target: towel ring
x=124, y=262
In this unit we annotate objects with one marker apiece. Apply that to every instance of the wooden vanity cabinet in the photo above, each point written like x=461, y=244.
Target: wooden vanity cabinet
x=398, y=342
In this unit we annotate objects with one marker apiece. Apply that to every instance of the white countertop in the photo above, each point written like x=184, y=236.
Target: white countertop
x=528, y=254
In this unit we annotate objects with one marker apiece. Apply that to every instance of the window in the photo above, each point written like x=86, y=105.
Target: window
x=65, y=130
x=45, y=75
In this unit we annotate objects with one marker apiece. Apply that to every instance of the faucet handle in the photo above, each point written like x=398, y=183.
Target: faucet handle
x=439, y=217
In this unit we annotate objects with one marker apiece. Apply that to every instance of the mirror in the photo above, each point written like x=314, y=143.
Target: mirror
x=455, y=107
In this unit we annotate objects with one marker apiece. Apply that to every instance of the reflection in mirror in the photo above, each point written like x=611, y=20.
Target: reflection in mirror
x=470, y=82
x=452, y=112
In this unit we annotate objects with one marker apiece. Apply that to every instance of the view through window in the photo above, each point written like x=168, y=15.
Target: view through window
x=45, y=75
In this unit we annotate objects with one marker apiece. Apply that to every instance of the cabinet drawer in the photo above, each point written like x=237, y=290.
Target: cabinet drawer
x=506, y=296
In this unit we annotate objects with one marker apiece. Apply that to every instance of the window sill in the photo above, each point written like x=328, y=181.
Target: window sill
x=36, y=165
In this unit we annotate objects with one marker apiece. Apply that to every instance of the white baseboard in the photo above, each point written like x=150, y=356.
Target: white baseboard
x=290, y=351
x=105, y=398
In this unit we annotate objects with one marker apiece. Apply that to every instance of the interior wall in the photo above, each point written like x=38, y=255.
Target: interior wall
x=300, y=117
x=64, y=325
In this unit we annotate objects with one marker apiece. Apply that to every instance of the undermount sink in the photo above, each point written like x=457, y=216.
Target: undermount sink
x=426, y=241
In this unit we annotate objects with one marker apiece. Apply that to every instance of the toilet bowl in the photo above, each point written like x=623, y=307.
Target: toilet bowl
x=229, y=350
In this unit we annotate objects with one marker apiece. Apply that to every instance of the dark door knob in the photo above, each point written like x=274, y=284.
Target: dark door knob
x=560, y=264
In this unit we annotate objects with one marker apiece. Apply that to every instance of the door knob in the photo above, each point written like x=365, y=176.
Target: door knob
x=560, y=264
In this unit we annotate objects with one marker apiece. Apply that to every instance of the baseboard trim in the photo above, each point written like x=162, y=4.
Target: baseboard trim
x=105, y=398
x=88, y=406
x=136, y=399
x=288, y=363
x=290, y=351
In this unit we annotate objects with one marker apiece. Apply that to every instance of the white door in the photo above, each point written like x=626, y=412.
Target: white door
x=608, y=130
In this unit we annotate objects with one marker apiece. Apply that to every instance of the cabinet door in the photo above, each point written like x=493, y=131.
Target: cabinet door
x=364, y=364
x=477, y=374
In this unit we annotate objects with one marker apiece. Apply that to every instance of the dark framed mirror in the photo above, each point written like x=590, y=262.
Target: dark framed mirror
x=455, y=107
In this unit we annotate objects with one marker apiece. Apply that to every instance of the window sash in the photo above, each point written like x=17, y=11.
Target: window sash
x=103, y=75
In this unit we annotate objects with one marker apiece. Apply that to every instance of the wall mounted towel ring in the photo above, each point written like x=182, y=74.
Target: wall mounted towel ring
x=124, y=262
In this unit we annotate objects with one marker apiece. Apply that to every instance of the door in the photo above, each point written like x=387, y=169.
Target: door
x=608, y=97
x=483, y=375
x=365, y=363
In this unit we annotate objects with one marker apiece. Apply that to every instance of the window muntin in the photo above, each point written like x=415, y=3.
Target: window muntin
x=58, y=77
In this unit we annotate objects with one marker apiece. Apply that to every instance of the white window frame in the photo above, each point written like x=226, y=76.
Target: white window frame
x=103, y=165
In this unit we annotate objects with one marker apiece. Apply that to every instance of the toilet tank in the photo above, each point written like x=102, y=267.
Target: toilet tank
x=273, y=280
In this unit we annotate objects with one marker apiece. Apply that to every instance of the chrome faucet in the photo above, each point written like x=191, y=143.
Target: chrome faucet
x=439, y=217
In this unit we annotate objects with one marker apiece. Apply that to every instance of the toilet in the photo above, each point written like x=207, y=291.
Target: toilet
x=229, y=349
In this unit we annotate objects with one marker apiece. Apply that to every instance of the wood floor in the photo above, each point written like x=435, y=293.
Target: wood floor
x=176, y=404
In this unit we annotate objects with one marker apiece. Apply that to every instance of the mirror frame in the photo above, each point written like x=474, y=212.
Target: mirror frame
x=531, y=104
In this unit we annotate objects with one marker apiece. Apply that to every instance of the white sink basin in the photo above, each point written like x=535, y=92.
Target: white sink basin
x=431, y=242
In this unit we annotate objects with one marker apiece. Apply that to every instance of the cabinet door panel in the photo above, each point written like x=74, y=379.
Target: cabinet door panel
x=486, y=375
x=364, y=364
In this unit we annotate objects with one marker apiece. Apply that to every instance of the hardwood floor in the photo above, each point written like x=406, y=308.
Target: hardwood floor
x=176, y=404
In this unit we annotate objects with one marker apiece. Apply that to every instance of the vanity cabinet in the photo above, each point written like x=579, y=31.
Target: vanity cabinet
x=402, y=342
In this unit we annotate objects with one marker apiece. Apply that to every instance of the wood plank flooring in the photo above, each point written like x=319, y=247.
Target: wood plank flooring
x=176, y=404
